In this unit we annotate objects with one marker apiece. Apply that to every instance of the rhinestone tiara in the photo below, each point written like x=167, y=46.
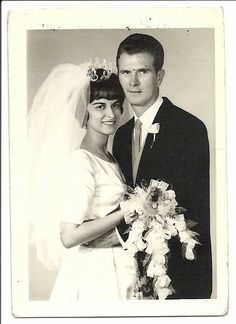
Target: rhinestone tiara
x=107, y=67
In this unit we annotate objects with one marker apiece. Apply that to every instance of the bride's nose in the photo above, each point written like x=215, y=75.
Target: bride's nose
x=109, y=112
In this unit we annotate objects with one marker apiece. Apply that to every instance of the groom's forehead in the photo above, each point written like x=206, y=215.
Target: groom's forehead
x=135, y=60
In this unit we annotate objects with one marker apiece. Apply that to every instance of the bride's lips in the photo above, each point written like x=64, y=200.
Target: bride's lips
x=109, y=122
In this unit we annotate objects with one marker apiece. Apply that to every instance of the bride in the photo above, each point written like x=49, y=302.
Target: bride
x=76, y=185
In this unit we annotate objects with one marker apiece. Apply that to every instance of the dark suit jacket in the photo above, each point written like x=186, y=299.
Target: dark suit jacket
x=180, y=155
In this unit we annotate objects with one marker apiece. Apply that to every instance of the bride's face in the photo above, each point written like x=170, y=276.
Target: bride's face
x=104, y=116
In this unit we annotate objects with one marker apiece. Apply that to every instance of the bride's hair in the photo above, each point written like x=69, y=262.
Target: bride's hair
x=106, y=88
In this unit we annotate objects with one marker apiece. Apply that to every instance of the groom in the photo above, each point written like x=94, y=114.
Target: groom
x=165, y=142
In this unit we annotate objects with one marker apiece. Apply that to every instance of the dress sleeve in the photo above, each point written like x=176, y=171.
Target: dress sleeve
x=78, y=189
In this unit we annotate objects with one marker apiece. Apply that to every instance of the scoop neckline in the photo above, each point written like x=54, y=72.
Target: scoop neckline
x=114, y=162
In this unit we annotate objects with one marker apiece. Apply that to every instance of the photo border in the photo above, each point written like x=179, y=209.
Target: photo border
x=19, y=23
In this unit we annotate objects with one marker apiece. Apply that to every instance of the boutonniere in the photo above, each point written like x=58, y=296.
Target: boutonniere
x=154, y=130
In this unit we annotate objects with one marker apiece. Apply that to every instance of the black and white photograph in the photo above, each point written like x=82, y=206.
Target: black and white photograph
x=117, y=162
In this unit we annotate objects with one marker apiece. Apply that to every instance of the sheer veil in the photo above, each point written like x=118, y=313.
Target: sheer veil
x=55, y=129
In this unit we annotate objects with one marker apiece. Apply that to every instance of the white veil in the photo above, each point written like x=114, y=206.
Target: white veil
x=55, y=129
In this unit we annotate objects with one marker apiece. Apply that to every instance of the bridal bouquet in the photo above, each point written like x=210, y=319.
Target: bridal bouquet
x=154, y=218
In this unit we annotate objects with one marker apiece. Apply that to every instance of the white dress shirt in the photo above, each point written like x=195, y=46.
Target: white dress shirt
x=147, y=119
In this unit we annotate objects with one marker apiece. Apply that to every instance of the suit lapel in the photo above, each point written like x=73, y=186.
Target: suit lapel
x=161, y=117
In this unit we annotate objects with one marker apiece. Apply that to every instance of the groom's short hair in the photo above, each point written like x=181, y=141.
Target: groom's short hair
x=142, y=43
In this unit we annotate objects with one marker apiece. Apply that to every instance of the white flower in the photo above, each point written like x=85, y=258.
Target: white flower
x=192, y=243
x=149, y=249
x=180, y=225
x=184, y=237
x=180, y=222
x=170, y=194
x=152, y=240
x=155, y=269
x=179, y=217
x=154, y=129
x=140, y=193
x=138, y=295
x=160, y=222
x=163, y=281
x=162, y=248
x=138, y=226
x=130, y=208
x=189, y=255
x=154, y=205
x=141, y=245
x=153, y=183
x=163, y=293
x=136, y=231
x=162, y=185
x=174, y=203
x=151, y=237
x=159, y=258
x=166, y=202
x=170, y=221
x=163, y=209
x=171, y=228
x=159, y=270
x=151, y=269
x=167, y=234
x=132, y=248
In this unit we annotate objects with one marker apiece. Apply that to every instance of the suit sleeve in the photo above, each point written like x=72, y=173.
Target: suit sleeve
x=199, y=211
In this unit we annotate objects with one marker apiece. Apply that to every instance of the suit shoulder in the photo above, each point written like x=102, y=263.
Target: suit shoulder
x=184, y=117
x=123, y=128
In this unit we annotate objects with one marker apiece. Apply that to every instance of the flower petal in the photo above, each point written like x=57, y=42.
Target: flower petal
x=189, y=254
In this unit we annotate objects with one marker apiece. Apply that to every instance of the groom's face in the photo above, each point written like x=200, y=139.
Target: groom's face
x=139, y=80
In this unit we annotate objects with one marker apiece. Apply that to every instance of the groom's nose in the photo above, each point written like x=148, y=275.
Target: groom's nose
x=134, y=78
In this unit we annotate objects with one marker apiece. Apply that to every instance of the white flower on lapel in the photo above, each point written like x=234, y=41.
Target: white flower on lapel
x=154, y=129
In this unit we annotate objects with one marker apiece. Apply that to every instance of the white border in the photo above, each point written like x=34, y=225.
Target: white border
x=30, y=309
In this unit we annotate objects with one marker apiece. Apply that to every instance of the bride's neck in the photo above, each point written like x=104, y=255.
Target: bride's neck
x=94, y=144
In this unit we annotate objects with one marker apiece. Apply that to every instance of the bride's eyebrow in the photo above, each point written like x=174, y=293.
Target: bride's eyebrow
x=103, y=103
x=98, y=103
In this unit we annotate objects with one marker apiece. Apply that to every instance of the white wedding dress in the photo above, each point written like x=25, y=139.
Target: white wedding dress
x=92, y=189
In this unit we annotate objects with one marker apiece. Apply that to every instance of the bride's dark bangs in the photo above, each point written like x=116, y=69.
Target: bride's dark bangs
x=109, y=89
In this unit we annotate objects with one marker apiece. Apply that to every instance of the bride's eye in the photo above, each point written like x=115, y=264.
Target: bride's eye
x=116, y=105
x=100, y=106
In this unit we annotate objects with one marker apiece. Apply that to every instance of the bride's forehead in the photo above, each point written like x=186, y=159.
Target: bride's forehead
x=103, y=101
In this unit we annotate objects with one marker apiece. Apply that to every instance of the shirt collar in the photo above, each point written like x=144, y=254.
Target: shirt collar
x=148, y=116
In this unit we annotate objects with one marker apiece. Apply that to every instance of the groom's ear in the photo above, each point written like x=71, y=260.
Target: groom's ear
x=160, y=76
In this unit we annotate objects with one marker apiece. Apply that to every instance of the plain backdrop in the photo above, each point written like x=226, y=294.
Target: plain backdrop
x=188, y=83
x=229, y=8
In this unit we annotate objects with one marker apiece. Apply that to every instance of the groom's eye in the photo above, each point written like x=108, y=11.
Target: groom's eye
x=143, y=71
x=124, y=72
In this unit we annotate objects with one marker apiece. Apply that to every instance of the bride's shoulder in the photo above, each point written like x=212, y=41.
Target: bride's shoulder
x=80, y=157
x=79, y=154
x=78, y=168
